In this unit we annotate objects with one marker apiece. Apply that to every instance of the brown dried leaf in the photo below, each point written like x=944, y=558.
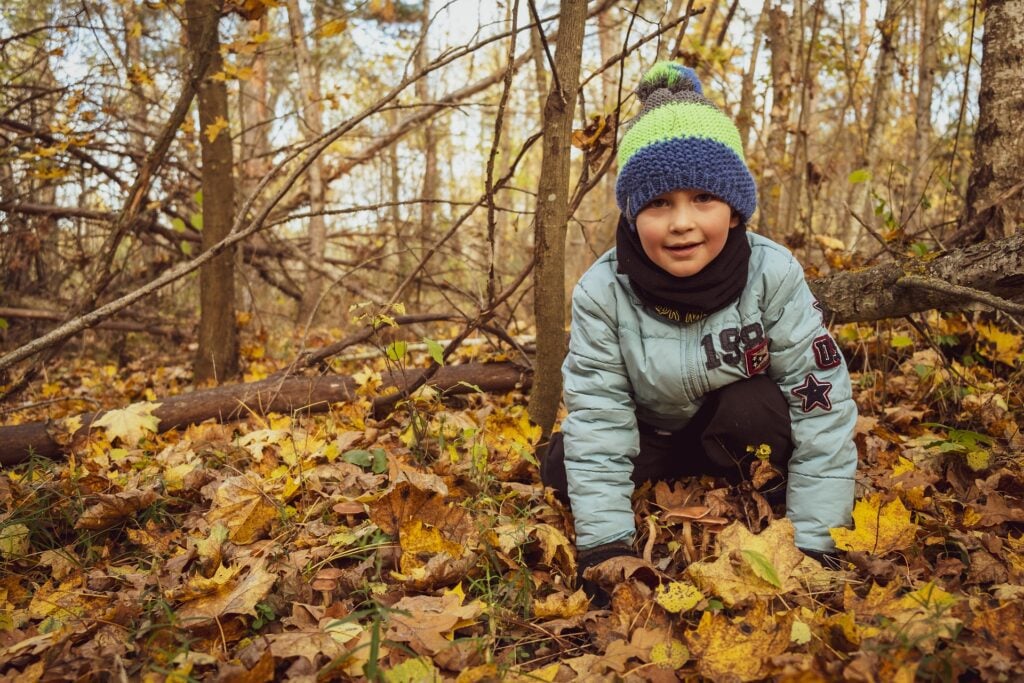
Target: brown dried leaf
x=112, y=508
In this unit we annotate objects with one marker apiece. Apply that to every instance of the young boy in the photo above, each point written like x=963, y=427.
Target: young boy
x=694, y=339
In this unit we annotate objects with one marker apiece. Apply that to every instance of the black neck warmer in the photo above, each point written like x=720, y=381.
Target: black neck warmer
x=685, y=299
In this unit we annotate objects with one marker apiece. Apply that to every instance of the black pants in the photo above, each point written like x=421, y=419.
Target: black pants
x=746, y=413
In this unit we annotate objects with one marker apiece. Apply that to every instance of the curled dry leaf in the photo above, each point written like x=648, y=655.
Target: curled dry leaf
x=236, y=595
x=113, y=508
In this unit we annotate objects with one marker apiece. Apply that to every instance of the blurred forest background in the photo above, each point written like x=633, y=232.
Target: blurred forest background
x=386, y=152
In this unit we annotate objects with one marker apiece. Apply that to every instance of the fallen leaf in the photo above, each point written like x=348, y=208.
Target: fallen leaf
x=237, y=596
x=745, y=560
x=130, y=424
x=560, y=605
x=113, y=508
x=878, y=529
x=426, y=622
x=739, y=649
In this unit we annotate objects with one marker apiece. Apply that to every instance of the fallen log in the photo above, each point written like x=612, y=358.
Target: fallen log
x=236, y=401
x=118, y=325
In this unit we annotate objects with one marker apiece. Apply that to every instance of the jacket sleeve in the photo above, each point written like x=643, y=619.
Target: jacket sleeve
x=600, y=429
x=807, y=365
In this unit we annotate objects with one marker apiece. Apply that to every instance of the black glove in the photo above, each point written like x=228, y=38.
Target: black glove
x=591, y=557
x=828, y=559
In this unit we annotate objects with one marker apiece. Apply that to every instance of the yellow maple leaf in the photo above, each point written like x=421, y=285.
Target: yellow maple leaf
x=677, y=597
x=561, y=606
x=130, y=424
x=739, y=649
x=418, y=540
x=878, y=528
x=14, y=541
x=1005, y=346
x=735, y=578
x=243, y=508
x=213, y=130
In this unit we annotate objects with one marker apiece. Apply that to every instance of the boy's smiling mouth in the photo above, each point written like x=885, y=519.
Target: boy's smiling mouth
x=682, y=249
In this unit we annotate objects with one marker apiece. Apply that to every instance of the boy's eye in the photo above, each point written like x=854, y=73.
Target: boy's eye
x=658, y=201
x=705, y=197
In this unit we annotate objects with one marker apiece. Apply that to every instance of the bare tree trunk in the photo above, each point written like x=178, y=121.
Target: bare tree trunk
x=429, y=187
x=312, y=118
x=217, y=357
x=800, y=155
x=744, y=116
x=995, y=192
x=776, y=164
x=878, y=110
x=928, y=56
x=552, y=210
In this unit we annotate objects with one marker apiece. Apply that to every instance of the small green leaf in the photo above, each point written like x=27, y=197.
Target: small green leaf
x=198, y=197
x=4, y=324
x=178, y=225
x=361, y=457
x=196, y=220
x=762, y=567
x=859, y=176
x=900, y=341
x=435, y=350
x=186, y=248
x=396, y=350
x=380, y=461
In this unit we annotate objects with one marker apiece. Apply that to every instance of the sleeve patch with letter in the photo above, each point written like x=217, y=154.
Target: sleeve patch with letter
x=826, y=354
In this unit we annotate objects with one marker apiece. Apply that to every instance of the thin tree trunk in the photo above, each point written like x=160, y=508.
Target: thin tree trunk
x=429, y=186
x=663, y=44
x=217, y=356
x=995, y=197
x=744, y=117
x=800, y=155
x=928, y=56
x=552, y=215
x=776, y=164
x=312, y=118
x=877, y=113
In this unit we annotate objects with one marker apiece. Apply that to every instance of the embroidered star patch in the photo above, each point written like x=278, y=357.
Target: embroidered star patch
x=814, y=393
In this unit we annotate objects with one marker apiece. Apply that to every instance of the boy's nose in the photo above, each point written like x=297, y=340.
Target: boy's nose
x=682, y=219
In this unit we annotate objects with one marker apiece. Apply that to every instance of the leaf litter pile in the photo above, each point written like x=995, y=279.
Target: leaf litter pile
x=421, y=547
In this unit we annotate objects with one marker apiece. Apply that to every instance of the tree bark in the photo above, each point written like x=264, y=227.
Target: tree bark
x=744, y=118
x=776, y=164
x=995, y=197
x=428, y=188
x=217, y=357
x=310, y=97
x=913, y=205
x=551, y=219
x=878, y=111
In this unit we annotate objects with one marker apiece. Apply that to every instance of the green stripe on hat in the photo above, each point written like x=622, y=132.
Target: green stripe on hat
x=668, y=121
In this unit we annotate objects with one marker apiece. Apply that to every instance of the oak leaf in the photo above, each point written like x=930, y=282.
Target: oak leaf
x=878, y=528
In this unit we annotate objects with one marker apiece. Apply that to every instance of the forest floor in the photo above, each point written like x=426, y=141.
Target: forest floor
x=421, y=547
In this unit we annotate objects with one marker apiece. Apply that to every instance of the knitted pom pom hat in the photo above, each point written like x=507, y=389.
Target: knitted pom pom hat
x=680, y=140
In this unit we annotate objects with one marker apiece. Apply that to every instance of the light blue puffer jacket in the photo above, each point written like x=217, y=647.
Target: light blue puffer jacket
x=626, y=363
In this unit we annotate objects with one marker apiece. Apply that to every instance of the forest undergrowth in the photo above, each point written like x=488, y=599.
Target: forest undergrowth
x=421, y=547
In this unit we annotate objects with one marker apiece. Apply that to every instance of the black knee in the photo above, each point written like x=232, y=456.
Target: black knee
x=552, y=467
x=745, y=416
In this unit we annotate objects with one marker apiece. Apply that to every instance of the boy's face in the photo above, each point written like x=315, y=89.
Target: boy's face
x=683, y=231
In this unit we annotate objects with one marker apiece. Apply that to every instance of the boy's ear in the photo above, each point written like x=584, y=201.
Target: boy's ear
x=735, y=219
